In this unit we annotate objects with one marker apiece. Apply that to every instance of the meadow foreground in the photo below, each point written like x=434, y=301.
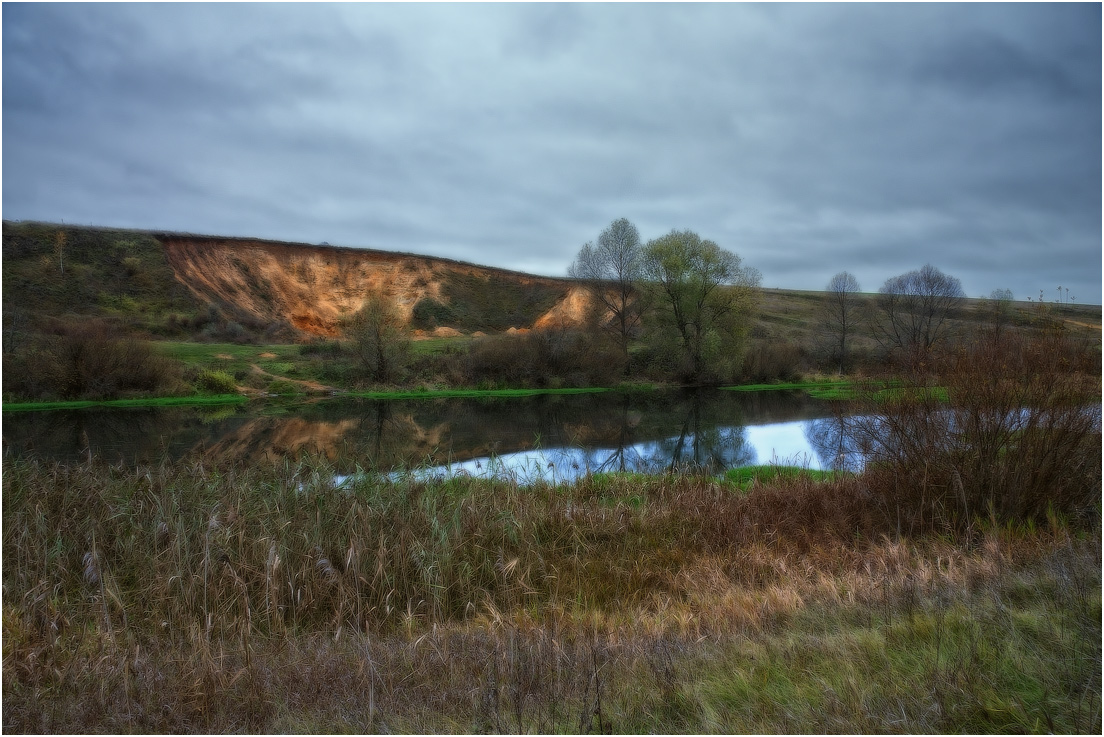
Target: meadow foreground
x=191, y=598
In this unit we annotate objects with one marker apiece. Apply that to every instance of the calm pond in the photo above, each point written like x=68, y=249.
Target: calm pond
x=555, y=437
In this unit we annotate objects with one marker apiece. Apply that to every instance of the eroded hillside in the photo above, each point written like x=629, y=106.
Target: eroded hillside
x=171, y=284
x=313, y=287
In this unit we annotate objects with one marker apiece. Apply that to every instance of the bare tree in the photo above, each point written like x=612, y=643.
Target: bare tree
x=913, y=310
x=998, y=308
x=377, y=336
x=611, y=272
x=59, y=249
x=841, y=314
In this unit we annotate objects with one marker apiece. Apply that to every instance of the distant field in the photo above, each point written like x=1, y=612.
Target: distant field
x=794, y=315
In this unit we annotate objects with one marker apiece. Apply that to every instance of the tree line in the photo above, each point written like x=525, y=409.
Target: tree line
x=685, y=294
x=680, y=307
x=691, y=299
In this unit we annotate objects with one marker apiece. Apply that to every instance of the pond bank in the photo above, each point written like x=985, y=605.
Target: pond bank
x=819, y=389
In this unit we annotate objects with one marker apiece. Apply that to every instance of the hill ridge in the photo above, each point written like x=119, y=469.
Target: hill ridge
x=262, y=281
x=161, y=234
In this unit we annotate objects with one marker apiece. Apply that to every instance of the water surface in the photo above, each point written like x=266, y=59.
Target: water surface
x=550, y=436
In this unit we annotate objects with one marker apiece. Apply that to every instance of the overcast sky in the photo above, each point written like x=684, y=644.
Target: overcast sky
x=808, y=139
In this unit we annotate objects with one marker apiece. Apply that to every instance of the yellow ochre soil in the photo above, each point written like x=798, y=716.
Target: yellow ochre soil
x=313, y=287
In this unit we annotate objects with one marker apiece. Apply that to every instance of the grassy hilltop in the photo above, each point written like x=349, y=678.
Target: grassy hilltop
x=202, y=287
x=52, y=272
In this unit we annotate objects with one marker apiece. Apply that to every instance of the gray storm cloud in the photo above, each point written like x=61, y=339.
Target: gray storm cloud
x=808, y=139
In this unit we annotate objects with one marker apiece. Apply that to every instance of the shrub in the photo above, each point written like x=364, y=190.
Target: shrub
x=235, y=332
x=659, y=361
x=216, y=382
x=282, y=386
x=378, y=340
x=209, y=316
x=1018, y=437
x=428, y=313
x=767, y=361
x=322, y=347
x=548, y=358
x=88, y=360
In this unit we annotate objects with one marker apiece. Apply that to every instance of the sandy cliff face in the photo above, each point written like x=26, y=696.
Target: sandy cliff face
x=571, y=310
x=312, y=287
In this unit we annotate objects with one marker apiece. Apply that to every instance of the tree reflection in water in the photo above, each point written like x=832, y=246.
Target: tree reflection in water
x=838, y=442
x=560, y=437
x=701, y=446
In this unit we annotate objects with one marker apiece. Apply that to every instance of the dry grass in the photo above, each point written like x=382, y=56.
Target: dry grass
x=188, y=598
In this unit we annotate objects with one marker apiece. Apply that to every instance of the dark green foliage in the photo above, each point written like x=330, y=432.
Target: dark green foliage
x=95, y=272
x=495, y=303
x=429, y=313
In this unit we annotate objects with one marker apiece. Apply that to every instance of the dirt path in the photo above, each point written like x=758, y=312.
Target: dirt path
x=311, y=387
x=1090, y=325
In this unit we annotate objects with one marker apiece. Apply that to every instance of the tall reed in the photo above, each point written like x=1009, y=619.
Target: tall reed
x=191, y=597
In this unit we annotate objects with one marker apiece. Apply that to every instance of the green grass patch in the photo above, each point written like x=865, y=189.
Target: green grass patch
x=823, y=389
x=430, y=346
x=975, y=667
x=881, y=390
x=605, y=479
x=215, y=399
x=834, y=392
x=470, y=393
x=746, y=476
x=203, y=354
x=918, y=393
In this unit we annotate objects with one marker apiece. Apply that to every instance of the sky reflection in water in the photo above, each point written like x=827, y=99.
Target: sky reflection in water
x=722, y=448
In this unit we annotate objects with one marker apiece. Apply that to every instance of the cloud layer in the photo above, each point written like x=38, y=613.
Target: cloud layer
x=808, y=139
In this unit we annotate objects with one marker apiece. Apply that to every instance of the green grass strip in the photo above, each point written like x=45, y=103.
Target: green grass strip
x=197, y=401
x=807, y=385
x=234, y=398
x=745, y=475
x=843, y=389
x=469, y=393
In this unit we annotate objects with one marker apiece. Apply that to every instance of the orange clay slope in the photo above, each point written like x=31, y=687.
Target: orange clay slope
x=313, y=287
